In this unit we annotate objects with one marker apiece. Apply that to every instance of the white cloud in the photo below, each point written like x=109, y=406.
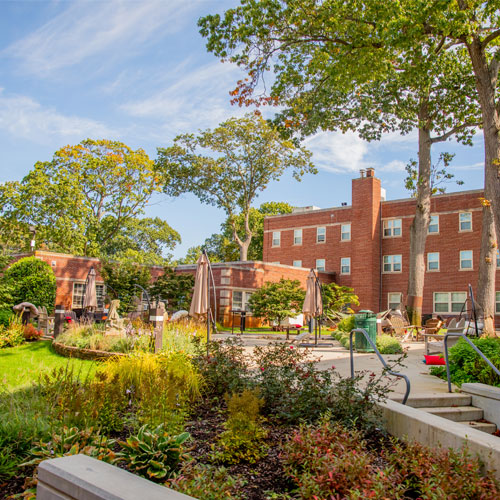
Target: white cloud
x=87, y=29
x=473, y=166
x=26, y=118
x=338, y=152
x=190, y=100
x=394, y=166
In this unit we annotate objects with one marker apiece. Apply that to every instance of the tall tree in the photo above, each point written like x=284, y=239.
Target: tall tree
x=80, y=200
x=246, y=155
x=345, y=64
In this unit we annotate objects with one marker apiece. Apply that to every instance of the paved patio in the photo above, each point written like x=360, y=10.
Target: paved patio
x=335, y=355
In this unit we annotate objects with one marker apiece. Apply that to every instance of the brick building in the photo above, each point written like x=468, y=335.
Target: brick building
x=234, y=281
x=367, y=245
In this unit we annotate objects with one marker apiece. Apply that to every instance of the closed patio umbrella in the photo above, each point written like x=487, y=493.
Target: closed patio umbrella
x=313, y=303
x=90, y=296
x=199, y=302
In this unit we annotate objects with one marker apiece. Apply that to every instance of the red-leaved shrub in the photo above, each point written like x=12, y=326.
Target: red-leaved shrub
x=31, y=333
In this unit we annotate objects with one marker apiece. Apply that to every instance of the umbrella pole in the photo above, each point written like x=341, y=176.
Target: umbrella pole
x=209, y=307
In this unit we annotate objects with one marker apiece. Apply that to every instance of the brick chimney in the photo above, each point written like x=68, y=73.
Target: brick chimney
x=365, y=239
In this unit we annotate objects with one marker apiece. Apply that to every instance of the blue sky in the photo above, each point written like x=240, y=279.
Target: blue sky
x=138, y=72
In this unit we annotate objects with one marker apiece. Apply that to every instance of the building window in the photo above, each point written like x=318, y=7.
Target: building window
x=297, y=237
x=466, y=259
x=433, y=225
x=465, y=221
x=240, y=300
x=320, y=264
x=394, y=300
x=320, y=234
x=497, y=302
x=79, y=292
x=345, y=232
x=275, y=262
x=498, y=258
x=449, y=302
x=392, y=228
x=433, y=261
x=297, y=263
x=276, y=238
x=345, y=265
x=392, y=263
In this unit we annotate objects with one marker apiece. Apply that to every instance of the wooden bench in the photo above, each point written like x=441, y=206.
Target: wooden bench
x=301, y=337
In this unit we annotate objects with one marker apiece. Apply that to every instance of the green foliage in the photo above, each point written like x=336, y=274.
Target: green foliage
x=153, y=453
x=175, y=289
x=438, y=176
x=80, y=201
x=247, y=154
x=32, y=280
x=225, y=369
x=72, y=441
x=467, y=366
x=6, y=289
x=347, y=324
x=336, y=298
x=5, y=317
x=244, y=437
x=122, y=278
x=328, y=461
x=142, y=241
x=207, y=482
x=223, y=248
x=13, y=334
x=388, y=345
x=277, y=301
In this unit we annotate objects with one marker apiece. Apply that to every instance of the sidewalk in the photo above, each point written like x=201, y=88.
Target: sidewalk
x=335, y=355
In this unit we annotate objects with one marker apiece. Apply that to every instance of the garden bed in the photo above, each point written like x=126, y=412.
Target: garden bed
x=81, y=353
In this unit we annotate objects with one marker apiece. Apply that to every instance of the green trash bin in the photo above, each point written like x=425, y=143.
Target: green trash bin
x=368, y=321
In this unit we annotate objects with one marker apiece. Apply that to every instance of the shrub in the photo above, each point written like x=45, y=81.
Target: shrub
x=32, y=280
x=388, y=345
x=329, y=461
x=183, y=337
x=13, y=335
x=153, y=453
x=347, y=324
x=225, y=367
x=243, y=439
x=5, y=317
x=207, y=482
x=31, y=333
x=467, y=366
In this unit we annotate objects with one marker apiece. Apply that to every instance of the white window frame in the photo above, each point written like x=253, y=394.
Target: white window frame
x=297, y=240
x=321, y=234
x=460, y=222
x=297, y=263
x=497, y=302
x=276, y=239
x=392, y=261
x=77, y=299
x=432, y=225
x=471, y=268
x=431, y=260
x=245, y=295
x=389, y=227
x=345, y=265
x=450, y=303
x=389, y=301
x=347, y=232
x=320, y=267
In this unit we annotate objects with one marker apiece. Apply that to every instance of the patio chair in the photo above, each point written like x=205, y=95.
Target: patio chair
x=433, y=325
x=398, y=326
x=438, y=346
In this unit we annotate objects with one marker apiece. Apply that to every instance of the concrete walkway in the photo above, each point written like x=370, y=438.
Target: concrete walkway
x=335, y=355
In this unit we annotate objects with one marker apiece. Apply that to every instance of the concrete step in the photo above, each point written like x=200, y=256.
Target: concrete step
x=456, y=413
x=487, y=427
x=436, y=400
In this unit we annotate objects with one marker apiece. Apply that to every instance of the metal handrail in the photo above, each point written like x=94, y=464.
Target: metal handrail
x=382, y=360
x=462, y=335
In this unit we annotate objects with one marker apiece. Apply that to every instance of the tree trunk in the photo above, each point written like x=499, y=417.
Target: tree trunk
x=420, y=224
x=244, y=249
x=486, y=80
x=487, y=271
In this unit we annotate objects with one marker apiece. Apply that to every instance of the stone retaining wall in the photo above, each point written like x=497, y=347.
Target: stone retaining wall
x=78, y=352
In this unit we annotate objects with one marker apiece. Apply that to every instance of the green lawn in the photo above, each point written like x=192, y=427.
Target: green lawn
x=22, y=365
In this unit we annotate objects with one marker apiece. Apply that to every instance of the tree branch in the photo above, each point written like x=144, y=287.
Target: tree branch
x=454, y=130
